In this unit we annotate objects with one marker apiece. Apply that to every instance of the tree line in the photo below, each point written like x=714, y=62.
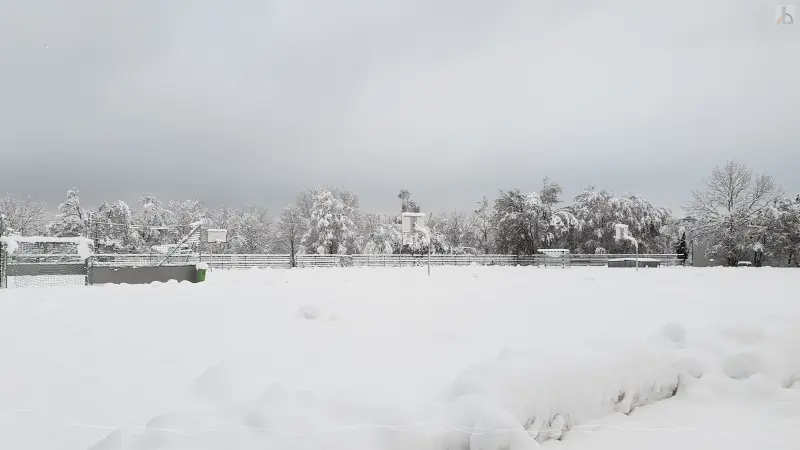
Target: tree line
x=737, y=214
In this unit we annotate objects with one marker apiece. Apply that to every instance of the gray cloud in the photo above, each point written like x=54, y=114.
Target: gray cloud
x=252, y=101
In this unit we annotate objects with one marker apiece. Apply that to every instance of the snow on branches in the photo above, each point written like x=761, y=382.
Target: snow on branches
x=331, y=223
x=733, y=211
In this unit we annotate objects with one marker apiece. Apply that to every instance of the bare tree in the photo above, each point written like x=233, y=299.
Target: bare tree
x=482, y=218
x=728, y=210
x=290, y=231
x=458, y=231
x=253, y=231
x=305, y=202
x=23, y=215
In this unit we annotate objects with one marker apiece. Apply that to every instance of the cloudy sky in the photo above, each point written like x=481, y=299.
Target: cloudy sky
x=250, y=101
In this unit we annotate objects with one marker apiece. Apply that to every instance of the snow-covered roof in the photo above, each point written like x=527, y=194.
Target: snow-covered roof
x=412, y=214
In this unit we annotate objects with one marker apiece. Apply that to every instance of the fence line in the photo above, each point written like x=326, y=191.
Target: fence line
x=241, y=261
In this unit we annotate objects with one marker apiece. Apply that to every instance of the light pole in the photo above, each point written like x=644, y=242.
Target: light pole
x=429, y=234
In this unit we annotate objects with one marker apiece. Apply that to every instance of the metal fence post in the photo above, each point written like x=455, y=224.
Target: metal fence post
x=3, y=279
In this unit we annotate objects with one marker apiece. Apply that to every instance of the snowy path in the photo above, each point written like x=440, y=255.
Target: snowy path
x=391, y=359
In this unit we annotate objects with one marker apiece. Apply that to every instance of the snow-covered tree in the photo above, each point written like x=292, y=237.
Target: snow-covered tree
x=379, y=235
x=459, y=232
x=483, y=226
x=406, y=204
x=184, y=214
x=598, y=211
x=682, y=250
x=113, y=229
x=780, y=238
x=305, y=202
x=252, y=231
x=526, y=222
x=154, y=222
x=729, y=211
x=22, y=215
x=291, y=228
x=72, y=220
x=224, y=218
x=331, y=226
x=436, y=241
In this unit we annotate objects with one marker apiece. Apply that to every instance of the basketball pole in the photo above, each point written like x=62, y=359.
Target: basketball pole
x=623, y=233
x=430, y=245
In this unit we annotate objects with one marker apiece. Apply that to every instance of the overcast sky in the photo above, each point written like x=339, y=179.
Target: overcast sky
x=252, y=101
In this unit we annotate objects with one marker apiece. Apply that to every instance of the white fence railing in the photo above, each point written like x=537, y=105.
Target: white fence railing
x=228, y=261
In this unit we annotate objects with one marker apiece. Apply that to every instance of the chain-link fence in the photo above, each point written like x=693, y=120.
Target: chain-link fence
x=41, y=263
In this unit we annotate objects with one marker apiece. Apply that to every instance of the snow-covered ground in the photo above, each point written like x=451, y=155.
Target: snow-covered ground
x=368, y=359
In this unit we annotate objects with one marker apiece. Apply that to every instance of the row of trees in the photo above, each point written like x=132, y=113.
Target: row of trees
x=736, y=215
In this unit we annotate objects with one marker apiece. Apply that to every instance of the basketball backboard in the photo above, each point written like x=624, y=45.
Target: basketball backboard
x=216, y=236
x=410, y=220
x=622, y=231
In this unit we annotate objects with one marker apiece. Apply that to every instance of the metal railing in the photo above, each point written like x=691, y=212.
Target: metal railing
x=240, y=261
x=140, y=259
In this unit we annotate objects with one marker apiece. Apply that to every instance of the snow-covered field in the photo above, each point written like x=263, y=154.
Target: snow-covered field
x=368, y=359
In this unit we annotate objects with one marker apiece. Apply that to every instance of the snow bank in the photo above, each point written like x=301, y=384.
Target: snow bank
x=508, y=360
x=536, y=396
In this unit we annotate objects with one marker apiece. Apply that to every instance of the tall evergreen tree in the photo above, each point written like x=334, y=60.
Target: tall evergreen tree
x=682, y=250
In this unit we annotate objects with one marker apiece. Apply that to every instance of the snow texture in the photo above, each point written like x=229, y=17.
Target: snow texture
x=478, y=358
x=201, y=266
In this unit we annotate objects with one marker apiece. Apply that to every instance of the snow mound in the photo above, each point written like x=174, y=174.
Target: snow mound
x=216, y=385
x=542, y=396
x=675, y=333
x=742, y=365
x=310, y=312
